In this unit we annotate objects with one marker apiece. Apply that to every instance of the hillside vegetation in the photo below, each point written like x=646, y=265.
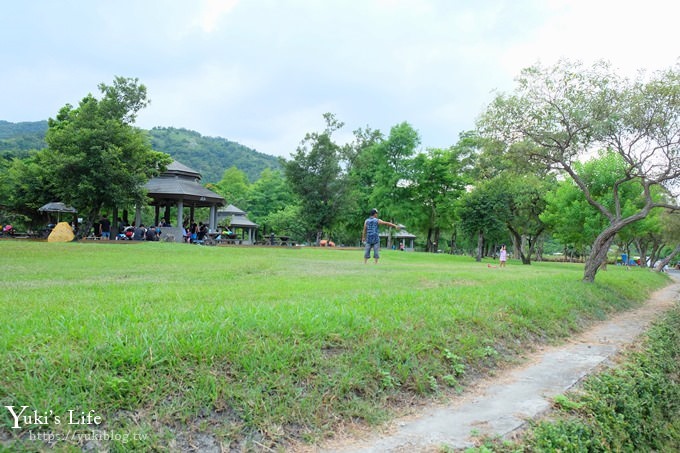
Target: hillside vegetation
x=210, y=156
x=17, y=139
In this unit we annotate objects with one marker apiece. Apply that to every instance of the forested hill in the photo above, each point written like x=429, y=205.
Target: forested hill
x=16, y=139
x=210, y=156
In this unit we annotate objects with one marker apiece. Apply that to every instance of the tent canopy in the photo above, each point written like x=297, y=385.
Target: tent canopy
x=57, y=206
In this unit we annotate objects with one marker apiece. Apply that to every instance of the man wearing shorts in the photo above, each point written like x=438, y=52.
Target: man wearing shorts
x=105, y=228
x=371, y=237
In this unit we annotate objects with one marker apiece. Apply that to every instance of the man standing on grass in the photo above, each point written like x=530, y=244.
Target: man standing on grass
x=371, y=237
x=105, y=228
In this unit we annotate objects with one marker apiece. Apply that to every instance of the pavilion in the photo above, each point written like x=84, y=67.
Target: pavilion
x=401, y=237
x=180, y=186
x=235, y=218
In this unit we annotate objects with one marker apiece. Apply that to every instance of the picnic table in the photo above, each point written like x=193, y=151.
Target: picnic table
x=212, y=239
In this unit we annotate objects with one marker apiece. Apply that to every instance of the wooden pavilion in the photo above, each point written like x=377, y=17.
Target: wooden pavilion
x=402, y=238
x=236, y=219
x=180, y=186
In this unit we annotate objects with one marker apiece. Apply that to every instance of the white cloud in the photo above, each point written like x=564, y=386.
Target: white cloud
x=212, y=11
x=263, y=72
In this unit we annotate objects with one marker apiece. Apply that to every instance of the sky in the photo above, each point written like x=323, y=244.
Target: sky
x=263, y=72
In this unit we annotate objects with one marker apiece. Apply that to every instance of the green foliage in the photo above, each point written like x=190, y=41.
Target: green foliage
x=482, y=213
x=95, y=158
x=438, y=180
x=286, y=222
x=269, y=195
x=233, y=186
x=392, y=168
x=316, y=177
x=577, y=223
x=17, y=139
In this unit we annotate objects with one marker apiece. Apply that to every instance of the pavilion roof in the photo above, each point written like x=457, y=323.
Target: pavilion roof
x=180, y=182
x=242, y=221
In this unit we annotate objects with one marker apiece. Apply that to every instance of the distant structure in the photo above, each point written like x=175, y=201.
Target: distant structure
x=180, y=186
x=402, y=239
x=236, y=219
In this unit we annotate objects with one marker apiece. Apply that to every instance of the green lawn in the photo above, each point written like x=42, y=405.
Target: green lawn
x=174, y=345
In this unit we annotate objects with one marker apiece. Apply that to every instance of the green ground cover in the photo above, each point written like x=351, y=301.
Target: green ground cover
x=173, y=345
x=633, y=407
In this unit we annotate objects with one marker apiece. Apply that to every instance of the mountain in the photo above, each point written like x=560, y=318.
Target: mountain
x=210, y=156
x=17, y=139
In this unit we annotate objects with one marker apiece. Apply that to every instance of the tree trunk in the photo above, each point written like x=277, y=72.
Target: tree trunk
x=480, y=245
x=598, y=253
x=642, y=248
x=519, y=243
x=657, y=246
x=436, y=240
x=664, y=262
x=453, y=242
x=539, y=247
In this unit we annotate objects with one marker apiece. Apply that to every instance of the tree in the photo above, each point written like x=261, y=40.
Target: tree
x=24, y=188
x=568, y=110
x=270, y=193
x=671, y=234
x=233, y=186
x=526, y=202
x=439, y=178
x=287, y=222
x=96, y=157
x=316, y=177
x=393, y=170
x=362, y=164
x=482, y=213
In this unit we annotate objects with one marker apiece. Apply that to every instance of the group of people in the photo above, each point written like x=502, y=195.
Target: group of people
x=195, y=233
x=125, y=231
x=140, y=233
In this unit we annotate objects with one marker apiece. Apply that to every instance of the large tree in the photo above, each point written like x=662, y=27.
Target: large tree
x=526, y=202
x=483, y=213
x=439, y=179
x=233, y=186
x=671, y=235
x=270, y=193
x=97, y=158
x=316, y=176
x=567, y=110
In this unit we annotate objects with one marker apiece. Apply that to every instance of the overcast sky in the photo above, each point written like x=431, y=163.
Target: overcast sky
x=263, y=72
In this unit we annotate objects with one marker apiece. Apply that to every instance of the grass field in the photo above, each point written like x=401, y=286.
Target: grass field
x=178, y=346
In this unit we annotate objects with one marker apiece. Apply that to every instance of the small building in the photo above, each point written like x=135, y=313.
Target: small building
x=402, y=239
x=236, y=220
x=180, y=186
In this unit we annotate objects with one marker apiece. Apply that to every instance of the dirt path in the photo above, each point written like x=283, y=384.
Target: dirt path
x=500, y=405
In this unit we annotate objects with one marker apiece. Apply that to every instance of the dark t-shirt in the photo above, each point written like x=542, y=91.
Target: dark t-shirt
x=139, y=234
x=106, y=225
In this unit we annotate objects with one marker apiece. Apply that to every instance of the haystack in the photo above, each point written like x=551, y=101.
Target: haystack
x=61, y=233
